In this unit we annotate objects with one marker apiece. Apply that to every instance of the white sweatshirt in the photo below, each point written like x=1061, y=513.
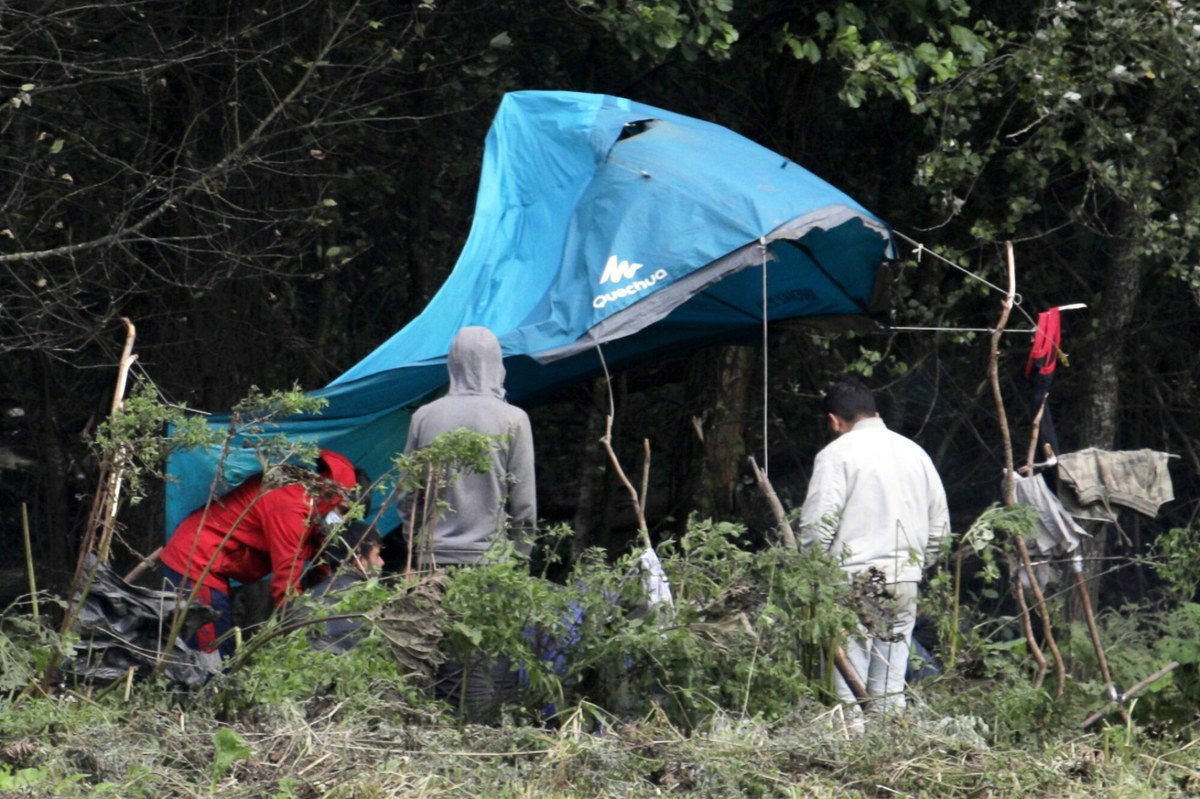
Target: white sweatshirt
x=876, y=499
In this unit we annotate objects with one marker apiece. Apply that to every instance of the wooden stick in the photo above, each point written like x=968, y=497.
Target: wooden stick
x=994, y=377
x=1086, y=601
x=104, y=504
x=33, y=597
x=129, y=683
x=645, y=471
x=1131, y=693
x=144, y=564
x=1037, y=423
x=643, y=530
x=952, y=656
x=1027, y=629
x=1010, y=474
x=764, y=485
x=846, y=669
x=112, y=500
x=1060, y=669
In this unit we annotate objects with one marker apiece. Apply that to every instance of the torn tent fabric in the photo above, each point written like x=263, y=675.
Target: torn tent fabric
x=599, y=221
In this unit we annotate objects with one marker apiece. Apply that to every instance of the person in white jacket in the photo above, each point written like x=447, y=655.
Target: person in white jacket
x=875, y=499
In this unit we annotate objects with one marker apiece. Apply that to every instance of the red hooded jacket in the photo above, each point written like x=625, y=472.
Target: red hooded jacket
x=272, y=533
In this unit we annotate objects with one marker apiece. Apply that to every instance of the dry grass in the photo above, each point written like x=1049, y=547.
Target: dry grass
x=150, y=748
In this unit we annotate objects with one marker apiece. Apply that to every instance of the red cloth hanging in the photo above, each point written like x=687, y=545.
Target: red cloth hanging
x=1046, y=342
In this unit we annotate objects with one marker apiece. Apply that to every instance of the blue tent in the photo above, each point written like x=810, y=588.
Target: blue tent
x=599, y=221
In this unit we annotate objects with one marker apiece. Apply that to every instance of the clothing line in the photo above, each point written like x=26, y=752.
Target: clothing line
x=920, y=249
x=907, y=329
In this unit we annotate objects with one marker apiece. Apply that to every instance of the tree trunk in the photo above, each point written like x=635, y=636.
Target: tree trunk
x=56, y=544
x=1099, y=408
x=590, y=483
x=713, y=447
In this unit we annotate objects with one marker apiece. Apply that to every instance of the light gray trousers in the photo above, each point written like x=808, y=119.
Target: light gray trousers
x=879, y=663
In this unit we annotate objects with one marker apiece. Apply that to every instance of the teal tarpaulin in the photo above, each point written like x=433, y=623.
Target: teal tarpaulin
x=599, y=221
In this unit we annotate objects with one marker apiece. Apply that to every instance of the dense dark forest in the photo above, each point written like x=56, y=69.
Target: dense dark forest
x=268, y=190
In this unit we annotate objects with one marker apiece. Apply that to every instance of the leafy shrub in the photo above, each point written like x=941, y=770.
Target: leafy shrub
x=283, y=667
x=27, y=646
x=744, y=635
x=1175, y=555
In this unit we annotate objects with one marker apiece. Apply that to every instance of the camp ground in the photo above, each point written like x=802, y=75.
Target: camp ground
x=713, y=210
x=608, y=233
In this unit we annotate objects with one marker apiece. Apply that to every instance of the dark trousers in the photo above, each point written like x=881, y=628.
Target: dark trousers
x=476, y=687
x=206, y=636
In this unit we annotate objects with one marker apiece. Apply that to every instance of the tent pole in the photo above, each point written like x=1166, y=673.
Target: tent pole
x=762, y=246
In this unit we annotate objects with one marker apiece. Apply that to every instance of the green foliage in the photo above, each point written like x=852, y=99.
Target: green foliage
x=662, y=28
x=422, y=473
x=257, y=407
x=761, y=620
x=26, y=648
x=449, y=454
x=981, y=536
x=289, y=670
x=983, y=642
x=496, y=612
x=901, y=52
x=250, y=423
x=145, y=430
x=230, y=748
x=743, y=636
x=1177, y=641
x=17, y=779
x=137, y=439
x=1023, y=711
x=1138, y=641
x=1175, y=555
x=1180, y=642
x=37, y=715
x=1012, y=519
x=712, y=695
x=1081, y=89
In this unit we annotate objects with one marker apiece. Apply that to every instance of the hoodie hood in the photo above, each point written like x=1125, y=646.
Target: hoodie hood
x=476, y=364
x=339, y=469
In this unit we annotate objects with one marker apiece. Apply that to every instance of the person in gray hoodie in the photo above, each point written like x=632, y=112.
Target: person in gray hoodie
x=480, y=507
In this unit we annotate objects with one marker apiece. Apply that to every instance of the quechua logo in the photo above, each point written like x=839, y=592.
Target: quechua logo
x=618, y=271
x=615, y=271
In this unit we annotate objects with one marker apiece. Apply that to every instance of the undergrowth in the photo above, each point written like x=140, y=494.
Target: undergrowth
x=944, y=746
x=720, y=696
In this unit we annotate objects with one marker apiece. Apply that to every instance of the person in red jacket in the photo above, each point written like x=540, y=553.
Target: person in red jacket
x=250, y=532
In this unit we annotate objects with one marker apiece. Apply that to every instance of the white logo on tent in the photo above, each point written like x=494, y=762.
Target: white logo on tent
x=615, y=271
x=629, y=289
